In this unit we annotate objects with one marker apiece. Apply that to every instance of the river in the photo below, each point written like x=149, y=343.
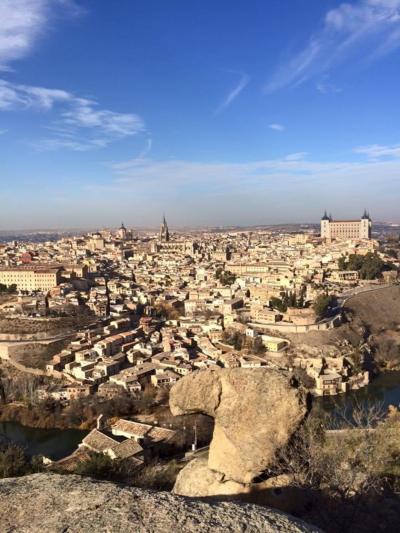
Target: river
x=58, y=443
x=52, y=443
x=384, y=390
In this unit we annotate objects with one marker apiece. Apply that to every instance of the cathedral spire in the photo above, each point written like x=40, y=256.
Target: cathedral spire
x=164, y=231
x=365, y=215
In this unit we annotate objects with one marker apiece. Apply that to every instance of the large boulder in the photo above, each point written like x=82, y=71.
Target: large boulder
x=255, y=410
x=197, y=480
x=56, y=504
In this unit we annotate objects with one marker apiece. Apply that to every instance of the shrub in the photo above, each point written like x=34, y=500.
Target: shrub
x=345, y=474
x=14, y=462
x=98, y=466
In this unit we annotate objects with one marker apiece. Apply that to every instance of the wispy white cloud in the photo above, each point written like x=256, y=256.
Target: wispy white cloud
x=75, y=144
x=365, y=29
x=297, y=166
x=74, y=117
x=15, y=96
x=85, y=114
x=3, y=132
x=23, y=22
x=147, y=149
x=297, y=156
x=233, y=93
x=237, y=192
x=277, y=127
x=378, y=151
x=200, y=181
x=325, y=88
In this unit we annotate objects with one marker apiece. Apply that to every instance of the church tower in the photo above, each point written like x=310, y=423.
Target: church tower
x=325, y=226
x=365, y=226
x=122, y=233
x=164, y=231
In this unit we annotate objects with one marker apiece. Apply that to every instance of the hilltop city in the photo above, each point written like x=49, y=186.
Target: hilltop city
x=117, y=331
x=157, y=307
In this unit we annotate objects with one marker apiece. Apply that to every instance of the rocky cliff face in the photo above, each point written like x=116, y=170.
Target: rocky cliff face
x=255, y=410
x=58, y=504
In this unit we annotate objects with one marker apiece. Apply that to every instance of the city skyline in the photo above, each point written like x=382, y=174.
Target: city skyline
x=219, y=115
x=158, y=229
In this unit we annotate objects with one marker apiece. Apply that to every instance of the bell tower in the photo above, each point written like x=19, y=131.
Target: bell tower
x=164, y=231
x=325, y=229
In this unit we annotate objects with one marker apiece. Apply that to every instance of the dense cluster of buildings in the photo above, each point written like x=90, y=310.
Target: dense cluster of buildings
x=167, y=304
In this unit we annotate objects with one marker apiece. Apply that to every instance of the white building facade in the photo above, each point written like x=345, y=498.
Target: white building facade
x=346, y=229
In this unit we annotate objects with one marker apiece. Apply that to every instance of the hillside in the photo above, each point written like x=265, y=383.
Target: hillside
x=372, y=316
x=379, y=309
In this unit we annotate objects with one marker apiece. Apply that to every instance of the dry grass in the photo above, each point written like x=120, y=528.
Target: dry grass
x=380, y=309
x=37, y=355
x=375, y=312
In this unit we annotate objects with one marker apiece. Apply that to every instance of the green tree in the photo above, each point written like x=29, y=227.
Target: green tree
x=237, y=341
x=98, y=466
x=278, y=303
x=392, y=253
x=8, y=289
x=322, y=303
x=14, y=462
x=234, y=338
x=228, y=278
x=258, y=346
x=369, y=266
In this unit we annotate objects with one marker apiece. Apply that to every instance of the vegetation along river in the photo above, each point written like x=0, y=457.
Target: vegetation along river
x=58, y=443
x=383, y=390
x=52, y=443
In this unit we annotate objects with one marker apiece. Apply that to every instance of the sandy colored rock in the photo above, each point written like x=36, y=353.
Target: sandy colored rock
x=56, y=504
x=255, y=411
x=198, y=480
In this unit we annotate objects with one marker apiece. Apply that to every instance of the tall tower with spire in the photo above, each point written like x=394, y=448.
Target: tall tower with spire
x=164, y=231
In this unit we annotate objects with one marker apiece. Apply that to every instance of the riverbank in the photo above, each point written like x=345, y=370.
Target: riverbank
x=80, y=413
x=35, y=418
x=383, y=389
x=52, y=442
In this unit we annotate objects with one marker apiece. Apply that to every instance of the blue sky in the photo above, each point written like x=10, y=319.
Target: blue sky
x=245, y=112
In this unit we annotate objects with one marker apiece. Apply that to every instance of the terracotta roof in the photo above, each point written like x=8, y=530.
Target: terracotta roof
x=99, y=442
x=139, y=430
x=157, y=434
x=136, y=429
x=127, y=448
x=71, y=462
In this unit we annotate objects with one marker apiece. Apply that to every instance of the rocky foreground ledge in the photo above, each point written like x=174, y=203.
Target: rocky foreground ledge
x=54, y=503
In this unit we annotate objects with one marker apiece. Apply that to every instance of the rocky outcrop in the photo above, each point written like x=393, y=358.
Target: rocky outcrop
x=197, y=480
x=57, y=504
x=255, y=411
